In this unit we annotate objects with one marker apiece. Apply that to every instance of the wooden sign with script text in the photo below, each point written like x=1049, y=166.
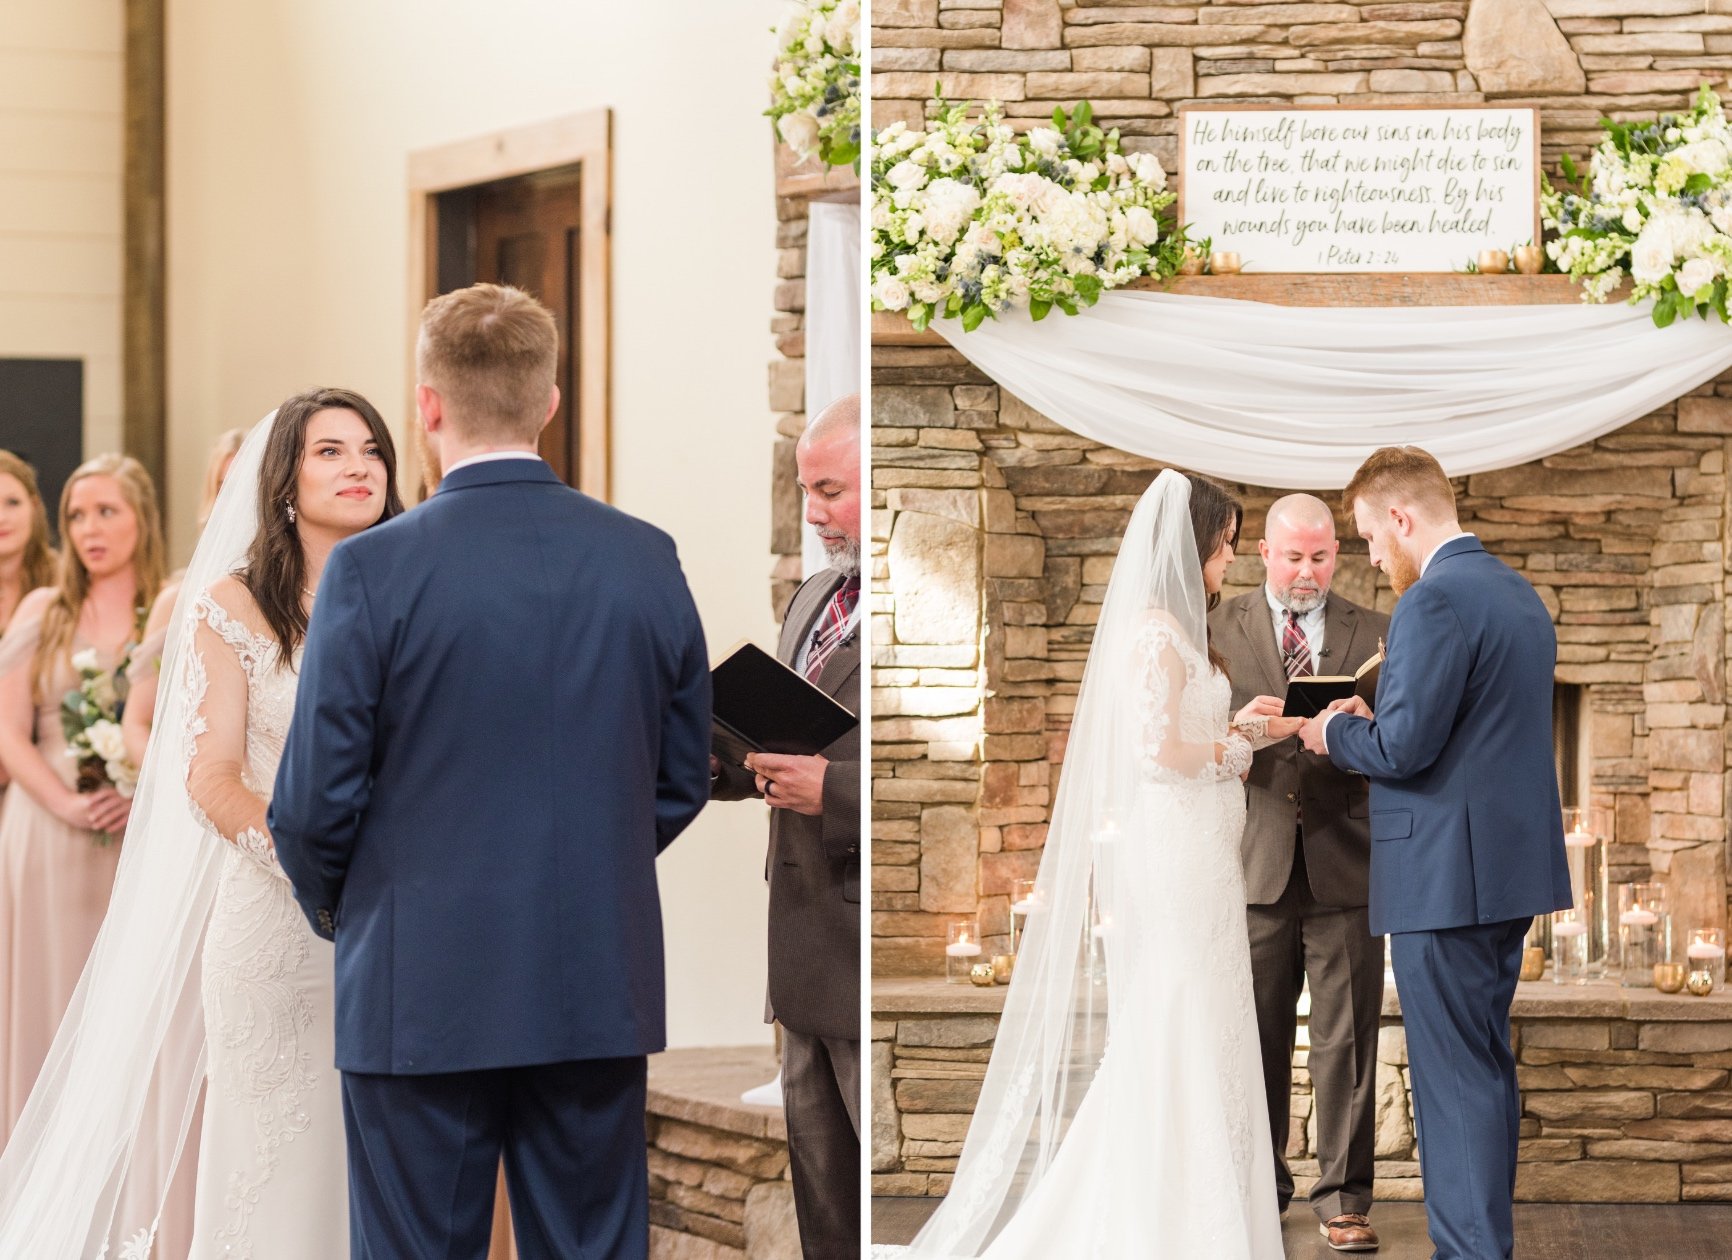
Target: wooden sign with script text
x=1342, y=188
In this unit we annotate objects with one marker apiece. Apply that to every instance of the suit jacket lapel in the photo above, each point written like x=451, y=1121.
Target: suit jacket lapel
x=1338, y=637
x=1259, y=626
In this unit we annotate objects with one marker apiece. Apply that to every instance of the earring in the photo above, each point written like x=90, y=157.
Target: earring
x=290, y=509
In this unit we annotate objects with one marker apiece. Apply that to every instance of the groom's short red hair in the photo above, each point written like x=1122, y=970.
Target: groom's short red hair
x=492, y=352
x=1400, y=472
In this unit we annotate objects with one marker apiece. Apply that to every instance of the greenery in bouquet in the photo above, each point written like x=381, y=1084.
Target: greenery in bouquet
x=815, y=89
x=1655, y=204
x=972, y=221
x=90, y=720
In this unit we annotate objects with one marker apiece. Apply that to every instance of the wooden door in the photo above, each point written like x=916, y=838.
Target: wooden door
x=528, y=233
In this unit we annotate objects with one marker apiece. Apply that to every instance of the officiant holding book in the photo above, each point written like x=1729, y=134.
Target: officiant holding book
x=1307, y=857
x=814, y=857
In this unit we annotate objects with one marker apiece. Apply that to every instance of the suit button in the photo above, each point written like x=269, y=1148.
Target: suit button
x=1293, y=796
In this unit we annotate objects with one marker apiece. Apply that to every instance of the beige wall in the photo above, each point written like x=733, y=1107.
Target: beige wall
x=60, y=170
x=289, y=126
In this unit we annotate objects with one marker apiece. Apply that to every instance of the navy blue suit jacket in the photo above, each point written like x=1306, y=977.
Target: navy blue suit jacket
x=1465, y=822
x=503, y=717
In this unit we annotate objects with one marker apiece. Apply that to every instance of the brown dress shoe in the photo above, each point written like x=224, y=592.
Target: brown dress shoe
x=1349, y=1232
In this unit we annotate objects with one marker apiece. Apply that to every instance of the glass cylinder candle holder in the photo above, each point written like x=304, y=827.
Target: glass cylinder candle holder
x=1569, y=947
x=962, y=951
x=1586, y=832
x=1707, y=949
x=1641, y=933
x=1022, y=903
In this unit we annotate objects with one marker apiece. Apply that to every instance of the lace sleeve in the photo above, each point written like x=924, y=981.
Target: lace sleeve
x=219, y=670
x=1168, y=755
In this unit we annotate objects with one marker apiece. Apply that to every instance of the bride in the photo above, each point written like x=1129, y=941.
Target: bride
x=1123, y=1111
x=93, y=1155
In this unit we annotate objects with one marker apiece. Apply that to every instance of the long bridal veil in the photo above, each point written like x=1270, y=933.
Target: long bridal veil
x=86, y=1170
x=1057, y=1015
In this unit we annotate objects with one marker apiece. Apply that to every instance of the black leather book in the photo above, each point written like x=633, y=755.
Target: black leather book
x=1307, y=697
x=760, y=705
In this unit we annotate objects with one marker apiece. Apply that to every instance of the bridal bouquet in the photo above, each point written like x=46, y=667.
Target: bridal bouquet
x=90, y=720
x=971, y=220
x=1656, y=202
x=815, y=90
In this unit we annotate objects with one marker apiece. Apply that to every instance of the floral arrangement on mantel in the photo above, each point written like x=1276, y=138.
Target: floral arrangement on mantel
x=1656, y=204
x=972, y=221
x=815, y=89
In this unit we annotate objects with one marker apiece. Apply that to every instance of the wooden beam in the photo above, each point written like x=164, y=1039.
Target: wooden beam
x=144, y=332
x=891, y=328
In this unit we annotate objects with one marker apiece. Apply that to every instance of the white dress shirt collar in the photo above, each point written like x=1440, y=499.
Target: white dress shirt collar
x=1430, y=555
x=488, y=457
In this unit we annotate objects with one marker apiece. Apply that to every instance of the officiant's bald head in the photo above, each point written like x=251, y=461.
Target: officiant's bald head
x=1299, y=549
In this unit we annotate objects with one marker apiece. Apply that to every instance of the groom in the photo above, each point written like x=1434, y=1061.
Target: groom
x=503, y=717
x=1467, y=835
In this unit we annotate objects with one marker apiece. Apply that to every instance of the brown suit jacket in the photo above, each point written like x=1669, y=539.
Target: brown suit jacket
x=1284, y=777
x=814, y=860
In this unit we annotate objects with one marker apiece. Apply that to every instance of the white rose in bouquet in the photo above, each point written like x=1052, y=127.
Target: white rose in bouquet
x=85, y=660
x=907, y=175
x=890, y=293
x=1697, y=274
x=799, y=130
x=1045, y=141
x=1147, y=168
x=107, y=741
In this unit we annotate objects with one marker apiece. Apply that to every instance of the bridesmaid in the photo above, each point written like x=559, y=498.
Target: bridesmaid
x=26, y=559
x=55, y=878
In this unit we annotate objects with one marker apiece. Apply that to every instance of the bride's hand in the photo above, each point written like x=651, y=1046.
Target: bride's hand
x=1261, y=707
x=1284, y=727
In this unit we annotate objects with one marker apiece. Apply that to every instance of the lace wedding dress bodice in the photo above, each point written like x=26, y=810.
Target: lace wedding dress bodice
x=271, y=1178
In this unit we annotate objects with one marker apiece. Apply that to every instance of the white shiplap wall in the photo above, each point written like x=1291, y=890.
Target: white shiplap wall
x=60, y=194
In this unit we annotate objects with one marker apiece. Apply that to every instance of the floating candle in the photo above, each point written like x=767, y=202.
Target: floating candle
x=963, y=949
x=1637, y=918
x=1706, y=949
x=1569, y=929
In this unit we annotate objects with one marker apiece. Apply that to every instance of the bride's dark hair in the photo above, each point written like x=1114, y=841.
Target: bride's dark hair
x=1216, y=516
x=276, y=570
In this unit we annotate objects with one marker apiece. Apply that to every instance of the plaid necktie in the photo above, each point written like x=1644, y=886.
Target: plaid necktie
x=1295, y=649
x=827, y=635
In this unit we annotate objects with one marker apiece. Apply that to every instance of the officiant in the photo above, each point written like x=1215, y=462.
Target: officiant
x=1307, y=857
x=814, y=858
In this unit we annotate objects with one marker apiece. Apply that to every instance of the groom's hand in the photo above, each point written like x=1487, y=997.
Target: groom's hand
x=1311, y=735
x=1354, y=705
x=795, y=783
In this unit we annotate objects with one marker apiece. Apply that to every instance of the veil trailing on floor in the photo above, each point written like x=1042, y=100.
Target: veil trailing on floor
x=87, y=1169
x=1056, y=1021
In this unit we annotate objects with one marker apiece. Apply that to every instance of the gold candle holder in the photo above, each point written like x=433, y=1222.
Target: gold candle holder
x=1700, y=983
x=1530, y=260
x=1225, y=262
x=1533, y=963
x=1002, y=967
x=981, y=974
x=1191, y=264
x=1669, y=977
x=1493, y=262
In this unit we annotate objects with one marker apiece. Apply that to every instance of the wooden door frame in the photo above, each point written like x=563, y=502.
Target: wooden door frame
x=585, y=140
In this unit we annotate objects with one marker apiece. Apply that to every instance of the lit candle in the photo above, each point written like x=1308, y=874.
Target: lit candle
x=1637, y=918
x=1022, y=907
x=963, y=949
x=1705, y=949
x=1579, y=838
x=1569, y=929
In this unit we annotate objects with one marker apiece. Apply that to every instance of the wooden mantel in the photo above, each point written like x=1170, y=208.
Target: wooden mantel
x=891, y=328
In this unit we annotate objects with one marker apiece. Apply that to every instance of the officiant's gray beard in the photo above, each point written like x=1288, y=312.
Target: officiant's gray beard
x=1303, y=602
x=844, y=556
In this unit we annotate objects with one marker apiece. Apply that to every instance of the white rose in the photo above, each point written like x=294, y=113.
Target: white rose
x=1672, y=135
x=1696, y=274
x=1652, y=254
x=85, y=660
x=106, y=740
x=1044, y=140
x=1632, y=220
x=890, y=293
x=906, y=175
x=1141, y=227
x=799, y=130
x=1147, y=168
x=912, y=227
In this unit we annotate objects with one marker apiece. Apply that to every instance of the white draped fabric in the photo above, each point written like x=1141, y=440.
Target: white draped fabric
x=1296, y=397
x=833, y=305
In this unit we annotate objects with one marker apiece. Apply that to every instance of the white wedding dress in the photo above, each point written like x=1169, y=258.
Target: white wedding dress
x=272, y=1179
x=1145, y=1133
